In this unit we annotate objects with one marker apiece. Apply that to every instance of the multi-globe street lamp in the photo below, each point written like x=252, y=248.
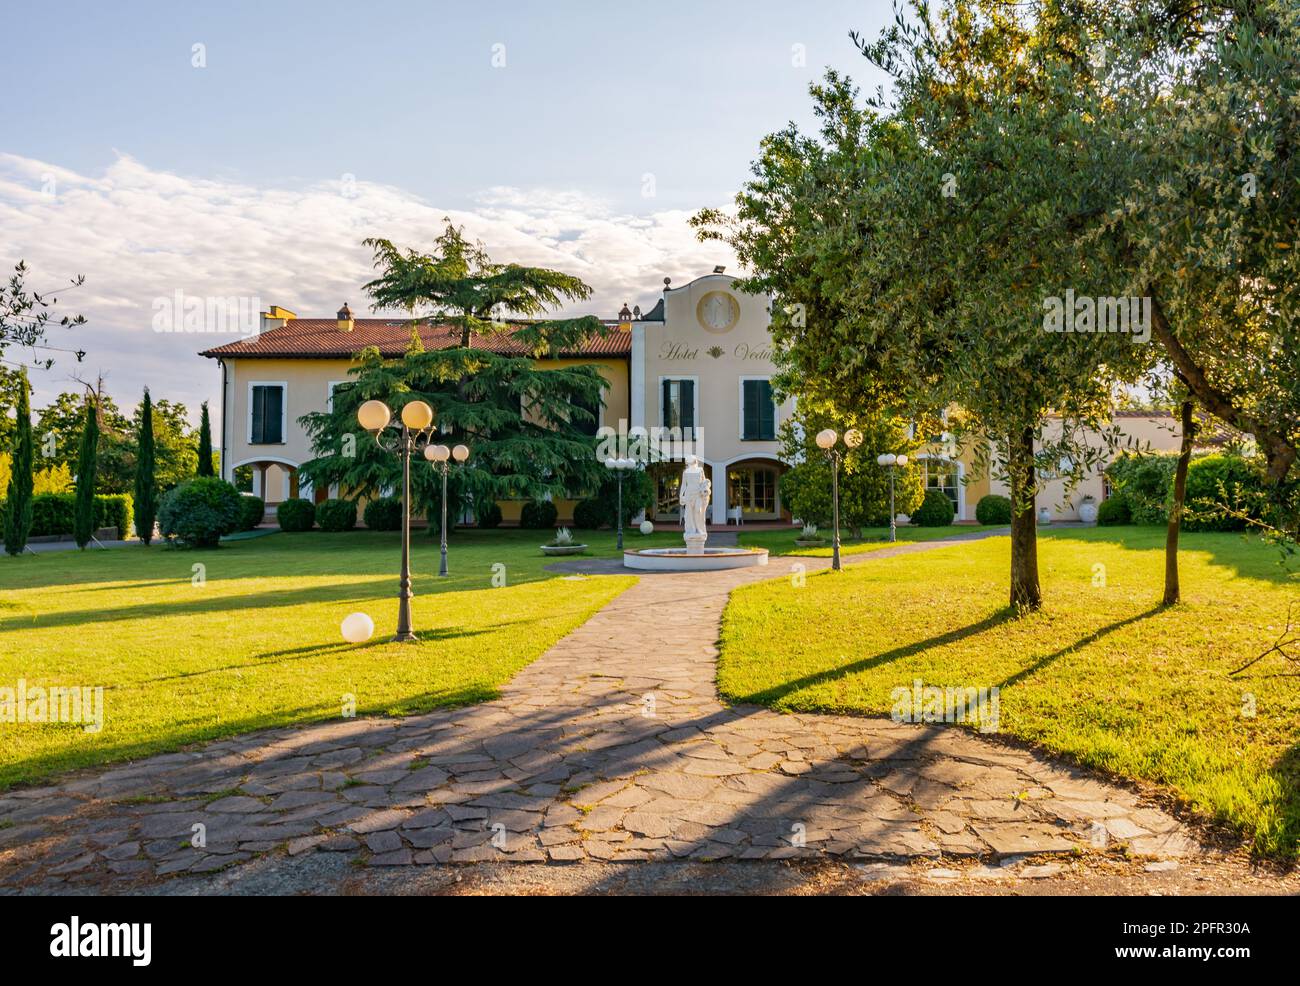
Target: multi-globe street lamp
x=826, y=439
x=891, y=461
x=620, y=468
x=440, y=456
x=416, y=419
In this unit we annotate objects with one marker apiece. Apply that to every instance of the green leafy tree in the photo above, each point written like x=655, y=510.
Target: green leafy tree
x=18, y=496
x=83, y=522
x=863, y=483
x=58, y=434
x=477, y=395
x=146, y=483
x=914, y=247
x=205, y=443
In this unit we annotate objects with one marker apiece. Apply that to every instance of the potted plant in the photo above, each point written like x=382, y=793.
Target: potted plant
x=1088, y=509
x=562, y=544
x=808, y=537
x=1044, y=517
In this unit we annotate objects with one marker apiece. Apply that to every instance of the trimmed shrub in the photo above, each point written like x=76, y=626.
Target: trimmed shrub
x=588, y=515
x=54, y=513
x=538, y=515
x=993, y=509
x=1113, y=511
x=115, y=510
x=296, y=515
x=253, y=511
x=638, y=495
x=383, y=514
x=1218, y=481
x=337, y=515
x=198, y=512
x=1146, y=482
x=489, y=515
x=936, y=510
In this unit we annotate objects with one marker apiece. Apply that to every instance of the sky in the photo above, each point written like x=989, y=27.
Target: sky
x=245, y=150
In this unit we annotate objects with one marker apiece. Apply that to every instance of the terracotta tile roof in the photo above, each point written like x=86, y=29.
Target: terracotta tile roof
x=320, y=338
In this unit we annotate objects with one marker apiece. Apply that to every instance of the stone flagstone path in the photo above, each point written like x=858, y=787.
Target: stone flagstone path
x=611, y=746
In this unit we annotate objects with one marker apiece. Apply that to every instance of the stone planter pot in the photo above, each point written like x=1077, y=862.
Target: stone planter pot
x=1044, y=517
x=1088, y=511
x=563, y=549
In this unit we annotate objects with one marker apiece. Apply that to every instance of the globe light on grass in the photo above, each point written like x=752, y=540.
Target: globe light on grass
x=647, y=527
x=374, y=415
x=357, y=628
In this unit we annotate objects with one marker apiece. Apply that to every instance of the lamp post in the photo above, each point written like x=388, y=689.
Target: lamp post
x=891, y=461
x=826, y=440
x=620, y=468
x=439, y=456
x=416, y=418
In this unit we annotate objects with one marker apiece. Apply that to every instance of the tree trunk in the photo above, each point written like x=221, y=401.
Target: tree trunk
x=1026, y=593
x=1279, y=452
x=1176, y=514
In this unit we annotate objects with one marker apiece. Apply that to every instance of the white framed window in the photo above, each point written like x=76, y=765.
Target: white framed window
x=329, y=393
x=944, y=475
x=679, y=403
x=268, y=412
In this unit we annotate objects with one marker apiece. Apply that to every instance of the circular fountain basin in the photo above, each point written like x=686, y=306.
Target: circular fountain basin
x=680, y=560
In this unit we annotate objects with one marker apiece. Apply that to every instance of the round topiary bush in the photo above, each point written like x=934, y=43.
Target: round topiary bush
x=936, y=510
x=337, y=515
x=1114, y=511
x=383, y=514
x=296, y=515
x=253, y=510
x=198, y=512
x=993, y=509
x=489, y=515
x=588, y=514
x=538, y=515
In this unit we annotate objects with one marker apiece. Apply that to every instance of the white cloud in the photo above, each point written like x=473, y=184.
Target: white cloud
x=138, y=234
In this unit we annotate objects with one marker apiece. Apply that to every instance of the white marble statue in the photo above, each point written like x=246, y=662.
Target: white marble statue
x=694, y=499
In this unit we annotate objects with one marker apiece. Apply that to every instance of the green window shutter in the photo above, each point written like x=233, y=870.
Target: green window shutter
x=259, y=414
x=667, y=421
x=274, y=409
x=749, y=410
x=766, y=411
x=687, y=390
x=268, y=406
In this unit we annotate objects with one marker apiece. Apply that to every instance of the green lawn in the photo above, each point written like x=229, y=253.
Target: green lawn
x=873, y=539
x=259, y=644
x=1101, y=674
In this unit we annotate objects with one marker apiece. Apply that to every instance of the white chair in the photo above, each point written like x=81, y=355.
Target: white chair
x=737, y=515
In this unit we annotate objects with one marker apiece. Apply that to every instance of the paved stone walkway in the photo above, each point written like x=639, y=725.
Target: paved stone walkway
x=611, y=746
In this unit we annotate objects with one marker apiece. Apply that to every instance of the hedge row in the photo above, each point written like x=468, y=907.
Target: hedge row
x=52, y=513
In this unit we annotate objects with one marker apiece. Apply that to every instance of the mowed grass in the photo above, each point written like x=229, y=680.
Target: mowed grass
x=1101, y=674
x=872, y=539
x=257, y=642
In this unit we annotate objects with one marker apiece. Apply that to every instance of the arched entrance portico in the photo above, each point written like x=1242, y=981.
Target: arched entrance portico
x=275, y=479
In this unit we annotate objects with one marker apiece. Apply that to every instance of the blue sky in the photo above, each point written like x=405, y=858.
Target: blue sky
x=313, y=125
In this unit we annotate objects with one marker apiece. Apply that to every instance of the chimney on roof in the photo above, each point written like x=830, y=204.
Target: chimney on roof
x=719, y=269
x=346, y=322
x=625, y=315
x=275, y=318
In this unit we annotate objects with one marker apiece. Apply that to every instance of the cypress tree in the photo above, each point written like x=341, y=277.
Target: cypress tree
x=18, y=515
x=146, y=486
x=205, y=443
x=83, y=521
